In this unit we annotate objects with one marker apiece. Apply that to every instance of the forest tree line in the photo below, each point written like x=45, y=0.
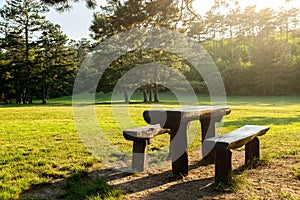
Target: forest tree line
x=256, y=51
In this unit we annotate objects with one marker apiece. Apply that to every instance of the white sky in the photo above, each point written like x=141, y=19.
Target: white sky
x=201, y=7
x=75, y=23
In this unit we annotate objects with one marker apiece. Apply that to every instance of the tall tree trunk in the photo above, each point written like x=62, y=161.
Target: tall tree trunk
x=28, y=84
x=126, y=95
x=4, y=98
x=231, y=44
x=44, y=101
x=24, y=99
x=156, y=86
x=44, y=88
x=29, y=97
x=19, y=92
x=150, y=94
x=145, y=95
x=156, y=92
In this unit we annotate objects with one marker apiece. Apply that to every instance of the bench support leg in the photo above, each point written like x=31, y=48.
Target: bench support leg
x=252, y=150
x=223, y=168
x=140, y=154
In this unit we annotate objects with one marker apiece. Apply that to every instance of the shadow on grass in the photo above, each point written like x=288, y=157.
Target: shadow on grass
x=91, y=185
x=80, y=185
x=96, y=189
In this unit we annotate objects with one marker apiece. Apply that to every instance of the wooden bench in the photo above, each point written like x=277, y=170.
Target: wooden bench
x=141, y=137
x=246, y=135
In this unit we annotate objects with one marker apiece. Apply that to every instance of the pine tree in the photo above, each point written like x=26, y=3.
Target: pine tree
x=23, y=19
x=56, y=62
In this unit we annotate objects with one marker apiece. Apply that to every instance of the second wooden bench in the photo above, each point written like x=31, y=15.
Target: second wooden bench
x=246, y=135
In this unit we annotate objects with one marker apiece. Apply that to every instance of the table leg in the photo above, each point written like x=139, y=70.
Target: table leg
x=178, y=149
x=208, y=129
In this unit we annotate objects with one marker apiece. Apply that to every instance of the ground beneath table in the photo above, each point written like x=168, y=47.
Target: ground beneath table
x=273, y=180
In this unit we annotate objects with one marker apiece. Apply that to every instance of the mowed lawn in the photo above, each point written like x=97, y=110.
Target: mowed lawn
x=39, y=143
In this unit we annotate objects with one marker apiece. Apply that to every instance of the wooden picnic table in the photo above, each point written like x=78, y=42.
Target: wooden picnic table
x=177, y=120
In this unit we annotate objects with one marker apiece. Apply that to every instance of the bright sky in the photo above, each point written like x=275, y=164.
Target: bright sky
x=201, y=7
x=75, y=23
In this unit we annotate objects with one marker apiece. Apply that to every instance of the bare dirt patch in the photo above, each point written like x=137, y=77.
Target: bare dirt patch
x=273, y=180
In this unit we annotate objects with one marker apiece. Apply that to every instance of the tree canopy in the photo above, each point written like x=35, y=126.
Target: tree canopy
x=252, y=48
x=34, y=53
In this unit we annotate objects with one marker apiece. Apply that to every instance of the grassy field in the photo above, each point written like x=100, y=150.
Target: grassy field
x=40, y=144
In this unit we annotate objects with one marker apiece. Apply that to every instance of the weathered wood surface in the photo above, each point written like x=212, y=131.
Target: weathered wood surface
x=179, y=149
x=145, y=132
x=177, y=119
x=252, y=150
x=166, y=117
x=246, y=135
x=141, y=139
x=208, y=130
x=237, y=138
x=223, y=166
x=140, y=155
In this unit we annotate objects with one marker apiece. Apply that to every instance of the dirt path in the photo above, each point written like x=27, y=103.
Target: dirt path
x=274, y=180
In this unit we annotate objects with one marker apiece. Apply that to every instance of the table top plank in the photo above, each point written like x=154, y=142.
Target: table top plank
x=185, y=114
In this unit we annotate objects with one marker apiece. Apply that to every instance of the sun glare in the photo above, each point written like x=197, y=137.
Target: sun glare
x=202, y=7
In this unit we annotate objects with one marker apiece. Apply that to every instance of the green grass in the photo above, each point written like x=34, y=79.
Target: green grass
x=39, y=143
x=282, y=114
x=79, y=186
x=230, y=185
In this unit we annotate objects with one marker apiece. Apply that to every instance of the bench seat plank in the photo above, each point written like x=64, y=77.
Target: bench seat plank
x=237, y=138
x=145, y=132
